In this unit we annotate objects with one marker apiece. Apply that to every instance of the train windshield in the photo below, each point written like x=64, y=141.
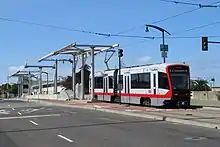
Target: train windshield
x=179, y=76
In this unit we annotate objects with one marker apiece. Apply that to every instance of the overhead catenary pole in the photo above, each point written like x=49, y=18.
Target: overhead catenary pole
x=29, y=83
x=40, y=74
x=40, y=81
x=19, y=86
x=22, y=84
x=47, y=83
x=55, y=77
x=74, y=76
x=77, y=50
x=82, y=77
x=92, y=73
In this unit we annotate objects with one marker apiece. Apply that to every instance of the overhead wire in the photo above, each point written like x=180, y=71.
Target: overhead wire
x=188, y=3
x=75, y=30
x=165, y=19
x=197, y=27
x=187, y=30
x=103, y=34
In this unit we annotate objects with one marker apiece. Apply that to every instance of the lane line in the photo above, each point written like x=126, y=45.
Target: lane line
x=109, y=119
x=13, y=108
x=73, y=112
x=65, y=138
x=33, y=116
x=33, y=122
x=19, y=113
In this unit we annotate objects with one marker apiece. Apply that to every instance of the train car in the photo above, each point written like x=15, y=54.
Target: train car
x=156, y=84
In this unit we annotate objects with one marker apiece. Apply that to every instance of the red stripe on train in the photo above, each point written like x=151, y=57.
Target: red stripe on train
x=167, y=95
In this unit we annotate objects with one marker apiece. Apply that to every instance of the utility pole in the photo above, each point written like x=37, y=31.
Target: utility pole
x=163, y=47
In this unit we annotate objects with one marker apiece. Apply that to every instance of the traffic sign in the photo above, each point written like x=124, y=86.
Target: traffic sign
x=164, y=47
x=164, y=54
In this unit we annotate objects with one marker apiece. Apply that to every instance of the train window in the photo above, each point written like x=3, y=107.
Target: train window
x=163, y=80
x=98, y=82
x=141, y=80
x=110, y=82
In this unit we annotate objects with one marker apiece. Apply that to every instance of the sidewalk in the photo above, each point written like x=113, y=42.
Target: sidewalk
x=199, y=117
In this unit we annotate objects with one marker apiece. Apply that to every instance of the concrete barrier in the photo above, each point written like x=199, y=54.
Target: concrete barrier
x=206, y=95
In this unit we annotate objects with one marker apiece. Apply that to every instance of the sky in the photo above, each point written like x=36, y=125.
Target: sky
x=24, y=43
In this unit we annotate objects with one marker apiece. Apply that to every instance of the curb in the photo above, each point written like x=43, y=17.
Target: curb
x=212, y=108
x=149, y=116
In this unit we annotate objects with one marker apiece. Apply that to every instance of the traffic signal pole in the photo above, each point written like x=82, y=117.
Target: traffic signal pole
x=119, y=81
x=120, y=54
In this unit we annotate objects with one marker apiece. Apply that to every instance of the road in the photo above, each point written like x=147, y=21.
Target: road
x=28, y=124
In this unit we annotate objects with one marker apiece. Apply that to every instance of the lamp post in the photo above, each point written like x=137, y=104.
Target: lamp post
x=163, y=47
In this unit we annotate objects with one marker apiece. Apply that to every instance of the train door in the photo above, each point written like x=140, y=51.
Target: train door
x=126, y=87
x=154, y=84
x=105, y=87
x=154, y=87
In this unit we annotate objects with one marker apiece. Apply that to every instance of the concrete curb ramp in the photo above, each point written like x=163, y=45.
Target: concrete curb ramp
x=149, y=116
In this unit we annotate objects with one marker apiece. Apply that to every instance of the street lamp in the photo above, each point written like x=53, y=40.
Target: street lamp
x=163, y=47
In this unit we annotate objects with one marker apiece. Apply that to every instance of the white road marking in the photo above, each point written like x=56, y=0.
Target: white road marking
x=72, y=112
x=30, y=110
x=19, y=113
x=13, y=108
x=33, y=116
x=65, y=138
x=4, y=112
x=109, y=119
x=33, y=122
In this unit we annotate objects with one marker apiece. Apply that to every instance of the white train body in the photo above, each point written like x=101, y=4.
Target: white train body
x=156, y=84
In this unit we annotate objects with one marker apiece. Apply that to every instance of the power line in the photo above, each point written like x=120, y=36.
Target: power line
x=165, y=19
x=191, y=29
x=198, y=27
x=89, y=32
x=194, y=4
x=75, y=30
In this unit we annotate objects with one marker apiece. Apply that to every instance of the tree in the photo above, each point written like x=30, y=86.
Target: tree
x=200, y=85
x=13, y=89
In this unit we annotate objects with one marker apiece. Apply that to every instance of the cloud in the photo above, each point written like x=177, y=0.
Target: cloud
x=14, y=69
x=144, y=59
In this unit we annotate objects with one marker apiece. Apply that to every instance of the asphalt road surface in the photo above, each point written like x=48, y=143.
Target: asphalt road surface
x=36, y=125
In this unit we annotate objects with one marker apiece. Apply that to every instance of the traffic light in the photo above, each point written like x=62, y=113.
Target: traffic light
x=204, y=43
x=120, y=52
